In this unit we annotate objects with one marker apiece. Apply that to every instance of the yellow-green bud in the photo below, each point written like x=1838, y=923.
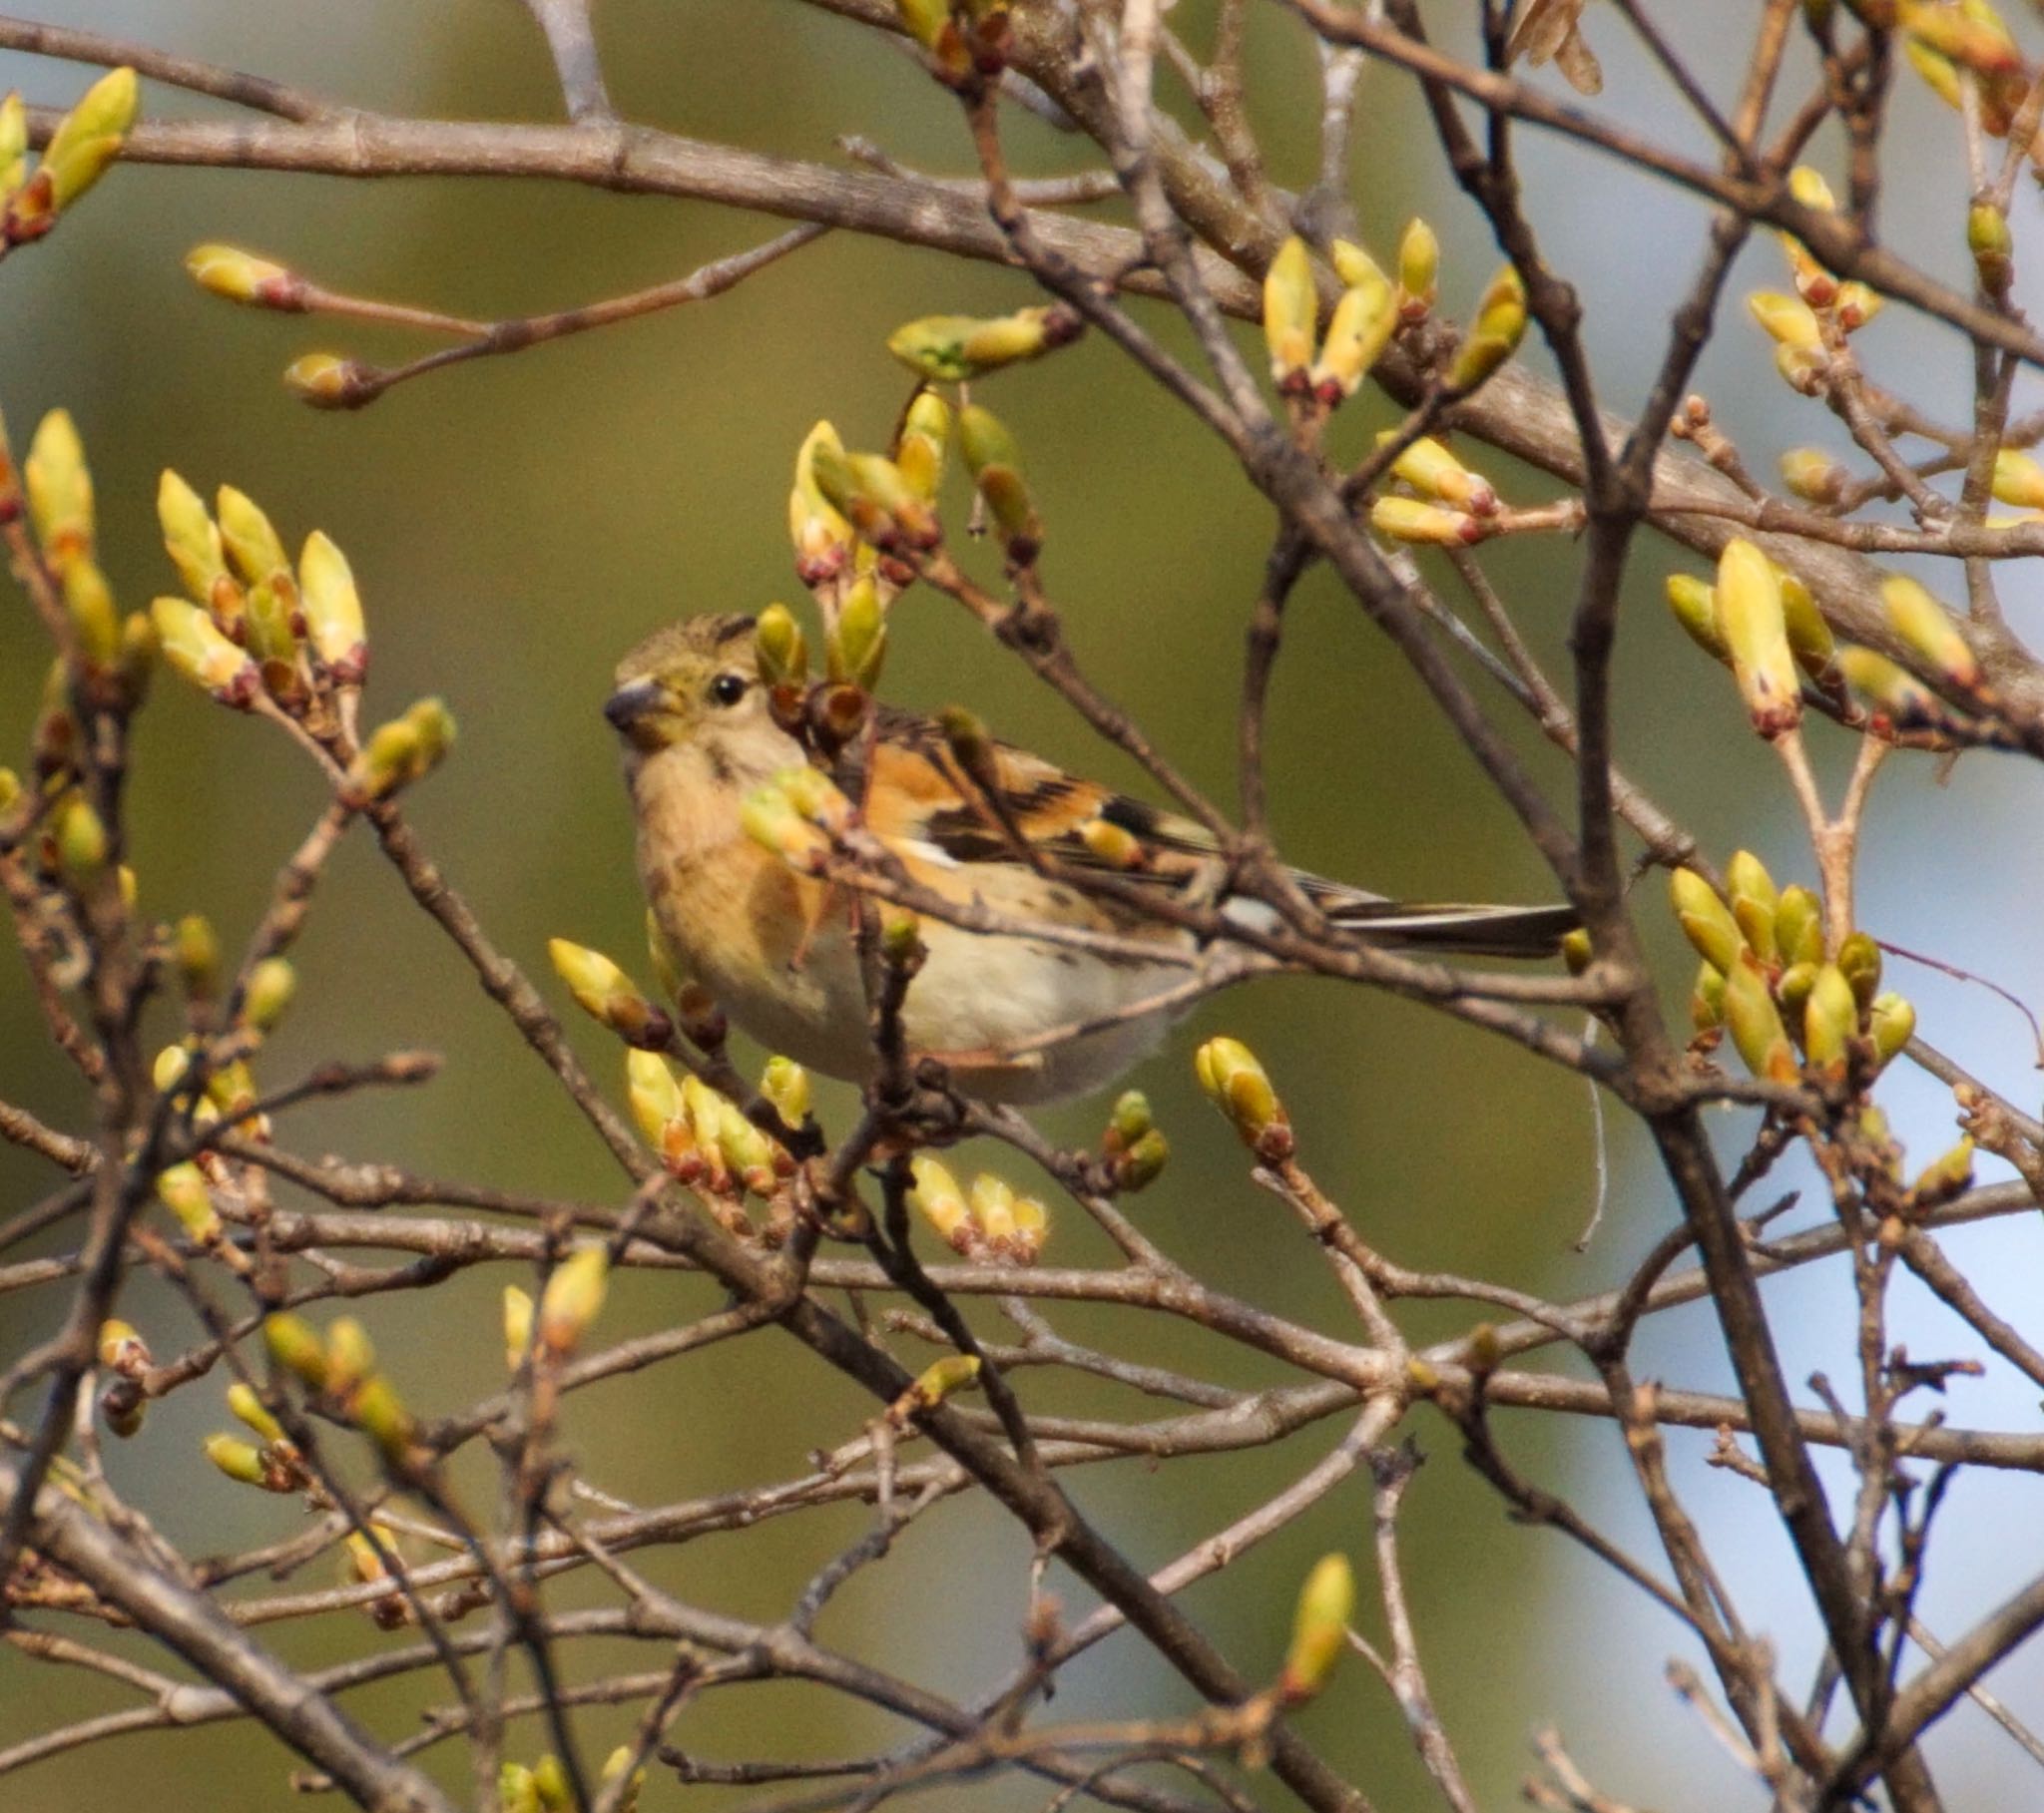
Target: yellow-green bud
x=82, y=844
x=953, y=348
x=2019, y=479
x=1930, y=631
x=1991, y=243
x=1800, y=926
x=823, y=537
x=1500, y=325
x=13, y=144
x=1405, y=519
x=1706, y=922
x=241, y=276
x=769, y=817
x=869, y=490
x=782, y=650
x=89, y=604
x=1695, y=603
x=517, y=1326
x=654, y=1094
x=817, y=797
x=1830, y=1021
x=296, y=1347
x=1891, y=1022
x=381, y=1415
x=59, y=487
x=1707, y=999
x=995, y=462
x=516, y=1792
x=1789, y=320
x=1948, y=1176
x=1129, y=1120
x=272, y=985
x=333, y=610
x=992, y=1203
x=351, y=1355
x=1755, y=1023
x=1320, y=1629
x=239, y=1460
x=572, y=1299
x=1576, y=951
x=938, y=1199
x=1358, y=334
x=1813, y=476
x=182, y=1190
x=943, y=1378
x=1859, y=958
x=857, y=644
x=1810, y=636
x=1031, y=1228
x=607, y=994
x=1430, y=469
x=1419, y=270
x=251, y=543
x=1237, y=1084
x=1750, y=615
x=325, y=380
x=196, y=648
x=1793, y=986
x=787, y=1085
x=121, y=1349
x=249, y=1408
x=1292, y=308
x=1894, y=695
x=925, y=434
x=1138, y=1168
x=747, y=1153
x=614, y=1766
x=196, y=949
x=1753, y=901
x=1355, y=266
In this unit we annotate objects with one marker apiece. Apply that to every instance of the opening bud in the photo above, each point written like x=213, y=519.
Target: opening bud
x=249, y=1410
x=1237, y=1084
x=122, y=1350
x=1859, y=959
x=241, y=1462
x=1755, y=1023
x=992, y=1203
x=954, y=349
x=655, y=1097
x=251, y=543
x=857, y=644
x=89, y=137
x=1707, y=999
x=823, y=537
x=995, y=462
x=1787, y=321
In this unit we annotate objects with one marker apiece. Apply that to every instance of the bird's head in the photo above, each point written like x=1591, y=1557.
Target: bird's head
x=696, y=681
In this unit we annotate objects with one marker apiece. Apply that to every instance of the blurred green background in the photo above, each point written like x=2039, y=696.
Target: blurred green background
x=517, y=523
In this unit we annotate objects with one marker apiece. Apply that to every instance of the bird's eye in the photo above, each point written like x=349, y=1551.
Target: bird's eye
x=727, y=688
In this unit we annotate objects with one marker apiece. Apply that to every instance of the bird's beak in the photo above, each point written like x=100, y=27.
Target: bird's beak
x=632, y=704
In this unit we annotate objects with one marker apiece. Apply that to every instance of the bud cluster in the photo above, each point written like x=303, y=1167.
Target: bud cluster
x=1134, y=1147
x=990, y=1221
x=341, y=1372
x=704, y=1139
x=271, y=1462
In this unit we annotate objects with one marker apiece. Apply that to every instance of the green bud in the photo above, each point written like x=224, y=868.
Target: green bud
x=1891, y=1022
x=89, y=137
x=13, y=146
x=1800, y=926
x=1793, y=986
x=1859, y=958
x=1755, y=1024
x=296, y=1350
x=787, y=1085
x=351, y=1355
x=195, y=649
x=1707, y=999
x=182, y=1190
x=58, y=490
x=782, y=650
x=1320, y=1629
x=95, y=619
x=249, y=1410
x=871, y=492
x=1433, y=471
x=1355, y=266
x=823, y=537
x=515, y=1790
x=1129, y=1120
x=381, y=1415
x=954, y=349
x=1750, y=615
x=1500, y=325
x=1754, y=902
x=617, y=1763
x=572, y=1299
x=607, y=994
x=1895, y=697
x=196, y=950
x=272, y=985
x=1291, y=306
x=1706, y=922
x=1419, y=267
x=1991, y=243
x=1830, y=1021
x=857, y=644
x=241, y=276
x=1140, y=1165
x=1810, y=636
x=239, y=1459
x=1358, y=334
x=995, y=462
x=333, y=611
x=1237, y=1084
x=551, y=1779
x=938, y=1199
x=1695, y=603
x=1930, y=631
x=944, y=1379
x=81, y=839
x=517, y=1326
x=252, y=544
x=1947, y=1177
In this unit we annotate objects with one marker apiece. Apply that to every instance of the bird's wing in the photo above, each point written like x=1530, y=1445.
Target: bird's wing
x=921, y=800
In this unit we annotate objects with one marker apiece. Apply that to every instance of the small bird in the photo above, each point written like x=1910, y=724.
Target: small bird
x=777, y=947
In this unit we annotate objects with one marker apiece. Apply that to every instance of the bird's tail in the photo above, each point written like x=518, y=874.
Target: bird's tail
x=1453, y=930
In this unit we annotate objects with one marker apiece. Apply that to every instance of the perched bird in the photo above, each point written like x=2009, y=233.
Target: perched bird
x=777, y=947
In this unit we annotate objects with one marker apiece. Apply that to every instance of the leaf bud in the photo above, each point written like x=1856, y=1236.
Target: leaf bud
x=942, y=1379
x=1320, y=1629
x=1405, y=519
x=1139, y=1167
x=1754, y=902
x=769, y=817
x=614, y=1766
x=787, y=1085
x=869, y=490
x=1706, y=922
x=1945, y=1177
x=1830, y=1021
x=1787, y=321
x=782, y=650
x=572, y=1299
x=1031, y=1229
x=995, y=462
x=381, y=1415
x=1810, y=636
x=1358, y=334
x=1237, y=1084
x=516, y=1792
x=272, y=985
x=1930, y=631
x=857, y=643
x=1755, y=1023
x=240, y=1460
x=332, y=610
x=1695, y=605
x=1500, y=325
x=95, y=619
x=517, y=1326
x=58, y=490
x=1891, y=1022
x=325, y=380
x=243, y=277
x=1800, y=926
x=1430, y=469
x=122, y=1350
x=296, y=1347
x=604, y=992
x=351, y=1355
x=249, y=1408
x=1750, y=615
x=1859, y=958
x=1991, y=243
x=954, y=349
x=182, y=1190
x=13, y=147
x=79, y=835
x=251, y=543
x=1814, y=476
x=1355, y=266
x=1419, y=270
x=1292, y=308
x=197, y=651
x=1894, y=695
x=938, y=1199
x=823, y=537
x=1707, y=999
x=992, y=1203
